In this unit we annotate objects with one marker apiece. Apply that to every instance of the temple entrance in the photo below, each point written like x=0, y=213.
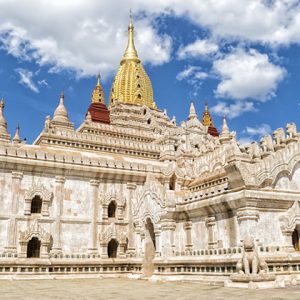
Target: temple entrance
x=150, y=246
x=33, y=248
x=295, y=239
x=112, y=248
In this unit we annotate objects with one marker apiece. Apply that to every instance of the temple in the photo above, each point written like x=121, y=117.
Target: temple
x=131, y=193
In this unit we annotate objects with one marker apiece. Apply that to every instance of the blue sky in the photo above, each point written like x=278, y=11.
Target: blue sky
x=240, y=56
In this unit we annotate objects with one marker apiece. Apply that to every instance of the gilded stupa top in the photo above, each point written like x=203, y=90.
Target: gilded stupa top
x=132, y=84
x=207, y=121
x=98, y=95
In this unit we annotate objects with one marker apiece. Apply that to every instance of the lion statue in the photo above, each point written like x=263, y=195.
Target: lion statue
x=266, y=144
x=291, y=130
x=279, y=136
x=250, y=262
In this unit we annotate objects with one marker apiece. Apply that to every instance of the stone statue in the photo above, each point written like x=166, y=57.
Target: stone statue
x=254, y=150
x=47, y=123
x=279, y=136
x=266, y=144
x=291, y=130
x=250, y=262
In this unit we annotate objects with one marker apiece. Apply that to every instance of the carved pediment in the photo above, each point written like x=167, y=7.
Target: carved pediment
x=38, y=190
x=35, y=230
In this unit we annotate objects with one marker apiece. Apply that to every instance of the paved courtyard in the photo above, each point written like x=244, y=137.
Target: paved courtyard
x=131, y=289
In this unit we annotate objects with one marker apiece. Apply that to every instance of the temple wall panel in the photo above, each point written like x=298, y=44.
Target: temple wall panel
x=179, y=237
x=199, y=235
x=227, y=230
x=77, y=199
x=5, y=191
x=3, y=233
x=268, y=229
x=75, y=237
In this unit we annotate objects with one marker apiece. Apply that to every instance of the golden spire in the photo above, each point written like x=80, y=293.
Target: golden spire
x=98, y=95
x=130, y=52
x=207, y=119
x=132, y=84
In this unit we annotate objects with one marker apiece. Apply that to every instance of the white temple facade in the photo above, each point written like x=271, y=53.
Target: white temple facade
x=142, y=196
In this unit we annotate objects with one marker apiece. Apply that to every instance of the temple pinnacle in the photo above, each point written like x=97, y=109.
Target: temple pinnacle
x=130, y=52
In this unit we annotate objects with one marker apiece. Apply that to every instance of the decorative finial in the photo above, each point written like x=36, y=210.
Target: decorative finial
x=4, y=135
x=130, y=18
x=225, y=134
x=98, y=95
x=60, y=114
x=98, y=79
x=16, y=138
x=192, y=114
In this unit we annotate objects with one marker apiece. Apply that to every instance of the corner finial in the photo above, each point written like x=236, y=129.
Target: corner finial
x=16, y=139
x=192, y=114
x=225, y=136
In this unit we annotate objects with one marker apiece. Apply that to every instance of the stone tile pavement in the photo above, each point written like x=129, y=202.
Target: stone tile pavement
x=126, y=289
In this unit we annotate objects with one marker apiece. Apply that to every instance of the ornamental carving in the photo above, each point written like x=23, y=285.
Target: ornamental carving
x=35, y=230
x=38, y=190
x=112, y=233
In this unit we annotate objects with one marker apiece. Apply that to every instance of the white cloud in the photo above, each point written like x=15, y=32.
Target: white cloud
x=233, y=110
x=275, y=22
x=198, y=48
x=194, y=76
x=84, y=36
x=26, y=79
x=247, y=75
x=89, y=35
x=193, y=72
x=43, y=82
x=261, y=130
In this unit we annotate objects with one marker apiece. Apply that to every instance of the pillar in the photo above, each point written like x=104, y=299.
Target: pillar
x=131, y=242
x=59, y=199
x=288, y=240
x=168, y=227
x=44, y=249
x=247, y=218
x=12, y=226
x=121, y=251
x=157, y=233
x=103, y=249
x=94, y=211
x=187, y=226
x=138, y=240
x=212, y=235
x=23, y=249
